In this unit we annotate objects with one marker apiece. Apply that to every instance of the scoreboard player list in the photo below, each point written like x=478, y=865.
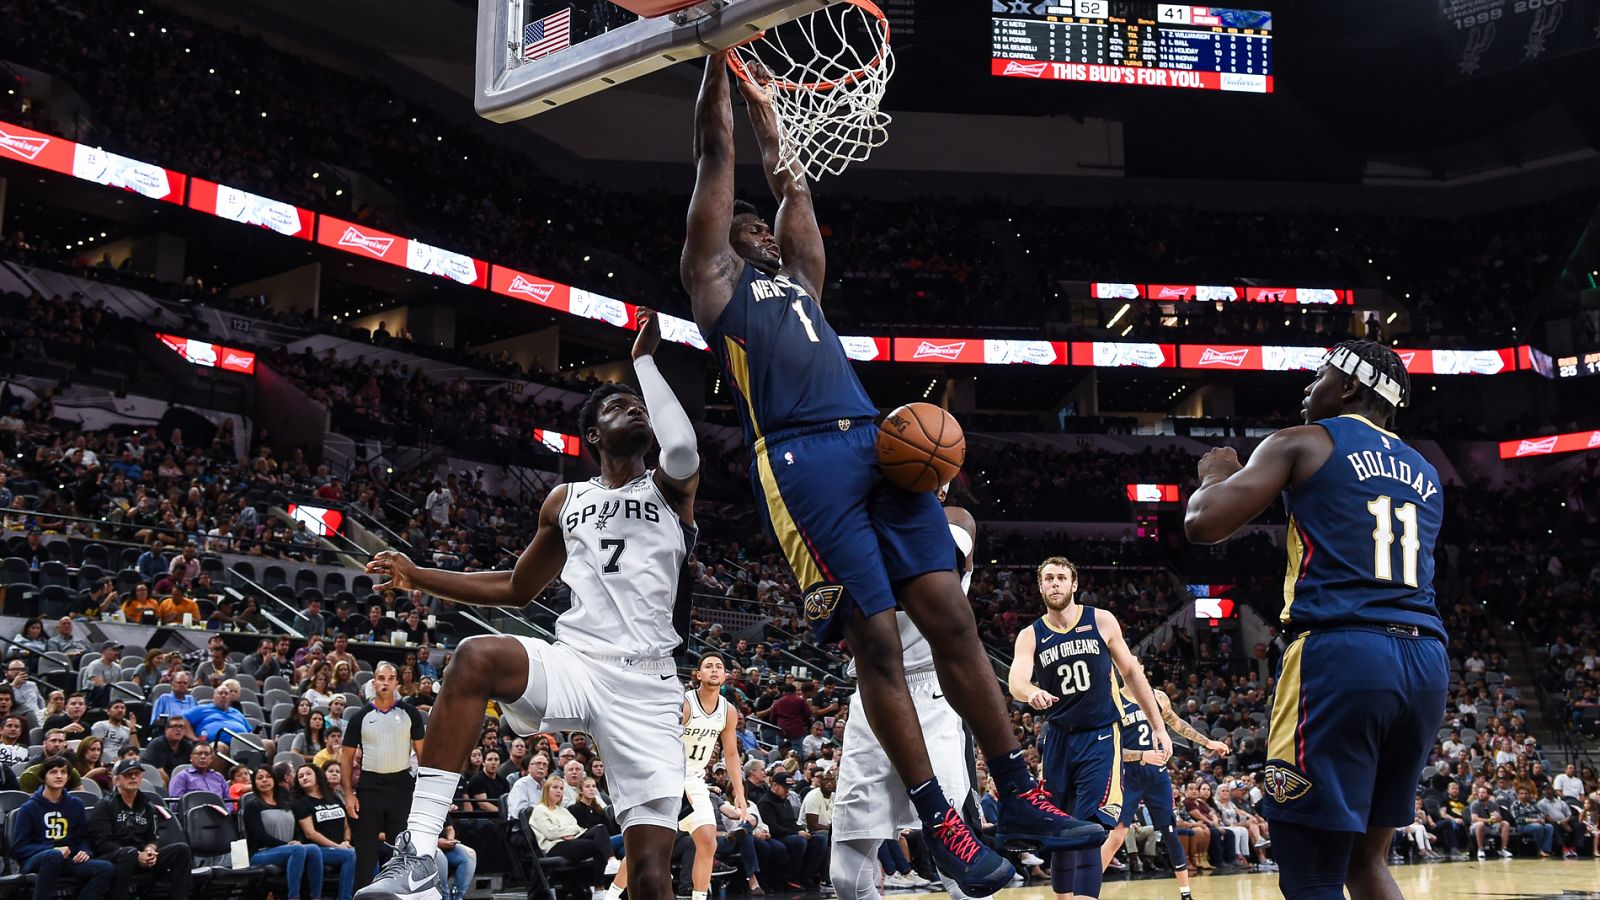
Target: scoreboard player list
x=1149, y=44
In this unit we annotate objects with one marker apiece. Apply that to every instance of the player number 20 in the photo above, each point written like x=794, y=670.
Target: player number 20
x=1074, y=678
x=1384, y=514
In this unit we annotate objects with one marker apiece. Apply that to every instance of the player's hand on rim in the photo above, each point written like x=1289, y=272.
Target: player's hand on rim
x=1042, y=699
x=649, y=332
x=758, y=87
x=394, y=566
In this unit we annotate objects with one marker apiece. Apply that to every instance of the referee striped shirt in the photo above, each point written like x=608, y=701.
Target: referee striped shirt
x=384, y=737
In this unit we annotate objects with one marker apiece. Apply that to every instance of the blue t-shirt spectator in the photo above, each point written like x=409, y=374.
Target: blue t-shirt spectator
x=209, y=721
x=168, y=705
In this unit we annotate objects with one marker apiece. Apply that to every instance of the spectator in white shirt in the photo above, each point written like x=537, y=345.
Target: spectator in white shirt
x=1569, y=785
x=1474, y=664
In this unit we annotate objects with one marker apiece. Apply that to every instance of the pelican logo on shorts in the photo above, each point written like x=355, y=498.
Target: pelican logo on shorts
x=1112, y=811
x=1284, y=784
x=822, y=600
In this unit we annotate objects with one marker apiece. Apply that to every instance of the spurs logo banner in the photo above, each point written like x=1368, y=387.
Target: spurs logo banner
x=1491, y=36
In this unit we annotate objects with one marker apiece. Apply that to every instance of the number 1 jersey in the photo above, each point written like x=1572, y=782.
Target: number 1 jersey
x=626, y=551
x=783, y=358
x=1361, y=535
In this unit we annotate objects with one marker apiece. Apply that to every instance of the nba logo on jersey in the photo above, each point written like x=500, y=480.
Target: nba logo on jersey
x=1283, y=784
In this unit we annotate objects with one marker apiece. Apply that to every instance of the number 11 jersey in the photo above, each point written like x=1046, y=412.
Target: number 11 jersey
x=1075, y=665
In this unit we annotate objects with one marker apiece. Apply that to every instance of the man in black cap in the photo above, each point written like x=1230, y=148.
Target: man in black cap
x=123, y=830
x=808, y=853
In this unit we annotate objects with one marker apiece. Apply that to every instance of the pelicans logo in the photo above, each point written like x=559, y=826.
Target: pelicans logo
x=1284, y=784
x=822, y=600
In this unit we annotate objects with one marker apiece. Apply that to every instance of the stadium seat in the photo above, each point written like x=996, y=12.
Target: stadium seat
x=86, y=576
x=96, y=555
x=54, y=573
x=273, y=576
x=305, y=580
x=333, y=583
x=212, y=831
x=15, y=569
x=55, y=601
x=22, y=600
x=60, y=551
x=361, y=584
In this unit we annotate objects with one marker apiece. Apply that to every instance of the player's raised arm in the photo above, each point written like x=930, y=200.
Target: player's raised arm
x=1133, y=677
x=799, y=239
x=678, y=473
x=1231, y=495
x=535, y=569
x=709, y=267
x=1020, y=679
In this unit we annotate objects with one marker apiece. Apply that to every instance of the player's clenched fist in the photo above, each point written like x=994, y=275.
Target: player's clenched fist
x=1219, y=463
x=1042, y=699
x=394, y=567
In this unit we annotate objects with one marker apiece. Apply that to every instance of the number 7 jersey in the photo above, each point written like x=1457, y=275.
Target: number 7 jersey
x=1361, y=535
x=626, y=551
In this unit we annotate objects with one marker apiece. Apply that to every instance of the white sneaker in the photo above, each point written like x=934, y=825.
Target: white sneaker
x=1028, y=859
x=915, y=880
x=1480, y=854
x=894, y=882
x=613, y=866
x=1505, y=854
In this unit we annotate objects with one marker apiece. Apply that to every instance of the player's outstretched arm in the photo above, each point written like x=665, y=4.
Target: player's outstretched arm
x=1020, y=679
x=678, y=473
x=535, y=569
x=1133, y=677
x=799, y=238
x=1230, y=495
x=1177, y=726
x=709, y=267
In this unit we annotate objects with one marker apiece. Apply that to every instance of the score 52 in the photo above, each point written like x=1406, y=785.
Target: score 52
x=1173, y=14
x=1091, y=9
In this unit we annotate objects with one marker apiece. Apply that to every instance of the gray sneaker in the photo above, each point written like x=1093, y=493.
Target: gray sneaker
x=406, y=876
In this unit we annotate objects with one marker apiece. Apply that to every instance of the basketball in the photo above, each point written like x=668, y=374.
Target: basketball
x=920, y=446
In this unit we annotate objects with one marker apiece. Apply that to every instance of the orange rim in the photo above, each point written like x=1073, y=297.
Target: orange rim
x=737, y=65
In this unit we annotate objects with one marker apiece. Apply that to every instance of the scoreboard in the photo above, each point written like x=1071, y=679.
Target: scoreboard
x=1147, y=44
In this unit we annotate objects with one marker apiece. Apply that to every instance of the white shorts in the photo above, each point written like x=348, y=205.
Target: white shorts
x=702, y=810
x=633, y=708
x=871, y=801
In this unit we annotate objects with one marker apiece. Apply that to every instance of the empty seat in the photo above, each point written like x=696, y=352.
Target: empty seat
x=361, y=584
x=333, y=583
x=22, y=600
x=97, y=555
x=14, y=569
x=273, y=576
x=60, y=551
x=304, y=580
x=127, y=580
x=54, y=572
x=245, y=570
x=54, y=602
x=128, y=558
x=87, y=575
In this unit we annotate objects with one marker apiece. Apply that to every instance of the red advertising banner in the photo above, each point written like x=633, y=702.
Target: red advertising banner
x=1299, y=296
x=1171, y=78
x=866, y=349
x=555, y=441
x=530, y=288
x=1153, y=493
x=251, y=209
x=36, y=148
x=978, y=351
x=212, y=356
x=442, y=263
x=1574, y=442
x=1226, y=357
x=1114, y=355
x=58, y=154
x=1459, y=362
x=361, y=240
x=319, y=520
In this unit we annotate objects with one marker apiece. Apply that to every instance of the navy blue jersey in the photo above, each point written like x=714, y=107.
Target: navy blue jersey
x=1136, y=731
x=783, y=358
x=1075, y=665
x=1361, y=534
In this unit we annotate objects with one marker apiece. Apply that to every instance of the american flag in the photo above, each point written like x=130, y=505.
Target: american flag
x=547, y=35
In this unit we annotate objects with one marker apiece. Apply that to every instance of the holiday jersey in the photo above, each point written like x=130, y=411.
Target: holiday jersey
x=701, y=733
x=1075, y=665
x=1361, y=535
x=626, y=549
x=784, y=360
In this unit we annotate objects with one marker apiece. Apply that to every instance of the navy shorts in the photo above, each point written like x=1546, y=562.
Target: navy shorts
x=1153, y=785
x=1083, y=772
x=1355, y=714
x=848, y=534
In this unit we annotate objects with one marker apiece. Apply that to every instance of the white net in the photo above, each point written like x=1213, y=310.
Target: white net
x=830, y=70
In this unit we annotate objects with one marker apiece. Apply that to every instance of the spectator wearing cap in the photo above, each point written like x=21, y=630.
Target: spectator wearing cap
x=140, y=602
x=100, y=672
x=51, y=838
x=807, y=852
x=215, y=668
x=124, y=831
x=311, y=621
x=65, y=641
x=346, y=623
x=172, y=749
x=185, y=567
x=200, y=776
x=178, y=604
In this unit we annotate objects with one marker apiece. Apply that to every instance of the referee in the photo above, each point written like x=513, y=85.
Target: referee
x=387, y=732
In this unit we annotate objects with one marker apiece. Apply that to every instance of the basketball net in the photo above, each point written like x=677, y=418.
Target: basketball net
x=829, y=72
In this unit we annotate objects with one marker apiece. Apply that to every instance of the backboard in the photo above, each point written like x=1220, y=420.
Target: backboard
x=536, y=55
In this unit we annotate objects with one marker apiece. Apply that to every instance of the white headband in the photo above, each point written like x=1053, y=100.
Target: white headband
x=1346, y=361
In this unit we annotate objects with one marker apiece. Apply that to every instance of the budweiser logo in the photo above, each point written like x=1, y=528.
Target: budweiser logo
x=1214, y=357
x=538, y=290
x=238, y=359
x=25, y=147
x=1277, y=296
x=377, y=246
x=1171, y=292
x=1534, y=448
x=1406, y=356
x=1027, y=70
x=930, y=350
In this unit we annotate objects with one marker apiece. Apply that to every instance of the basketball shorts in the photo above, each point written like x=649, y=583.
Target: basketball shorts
x=632, y=707
x=702, y=811
x=1083, y=772
x=871, y=801
x=1355, y=714
x=1153, y=785
x=848, y=534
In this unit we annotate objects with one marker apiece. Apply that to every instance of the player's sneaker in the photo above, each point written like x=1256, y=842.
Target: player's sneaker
x=406, y=876
x=978, y=870
x=1030, y=821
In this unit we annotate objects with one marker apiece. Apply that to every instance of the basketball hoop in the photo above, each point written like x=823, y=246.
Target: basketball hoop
x=829, y=72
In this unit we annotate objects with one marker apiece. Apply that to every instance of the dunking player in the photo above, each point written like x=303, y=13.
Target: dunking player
x=871, y=805
x=1145, y=779
x=856, y=544
x=620, y=542
x=703, y=730
x=1072, y=649
x=1361, y=688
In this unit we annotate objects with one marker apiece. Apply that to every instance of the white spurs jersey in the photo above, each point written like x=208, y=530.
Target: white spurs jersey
x=626, y=549
x=701, y=733
x=914, y=647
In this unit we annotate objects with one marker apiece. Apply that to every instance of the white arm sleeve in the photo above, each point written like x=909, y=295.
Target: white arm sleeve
x=680, y=451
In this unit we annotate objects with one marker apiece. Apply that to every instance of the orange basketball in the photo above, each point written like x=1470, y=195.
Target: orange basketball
x=920, y=447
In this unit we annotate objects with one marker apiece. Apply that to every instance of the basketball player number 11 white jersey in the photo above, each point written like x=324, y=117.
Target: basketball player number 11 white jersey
x=701, y=732
x=626, y=549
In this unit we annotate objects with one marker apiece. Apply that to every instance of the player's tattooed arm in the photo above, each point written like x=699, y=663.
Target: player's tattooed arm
x=535, y=569
x=799, y=238
x=1133, y=677
x=709, y=267
x=1183, y=729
